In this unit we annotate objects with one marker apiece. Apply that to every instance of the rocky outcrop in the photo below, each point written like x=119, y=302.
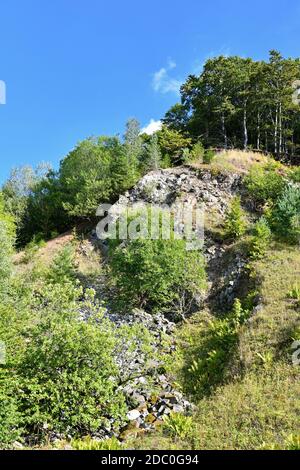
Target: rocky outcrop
x=149, y=393
x=214, y=191
x=169, y=186
x=225, y=271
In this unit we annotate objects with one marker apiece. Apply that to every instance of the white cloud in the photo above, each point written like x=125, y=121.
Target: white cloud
x=162, y=81
x=152, y=127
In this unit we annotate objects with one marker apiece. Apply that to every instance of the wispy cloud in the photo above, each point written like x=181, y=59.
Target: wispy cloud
x=152, y=127
x=2, y=92
x=163, y=82
x=199, y=64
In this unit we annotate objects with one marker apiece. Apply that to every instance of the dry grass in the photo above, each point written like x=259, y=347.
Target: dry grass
x=88, y=259
x=47, y=252
x=236, y=161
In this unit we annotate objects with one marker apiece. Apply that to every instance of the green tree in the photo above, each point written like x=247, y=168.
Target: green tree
x=7, y=238
x=172, y=143
x=158, y=274
x=153, y=154
x=261, y=239
x=239, y=102
x=235, y=222
x=285, y=216
x=133, y=147
x=265, y=182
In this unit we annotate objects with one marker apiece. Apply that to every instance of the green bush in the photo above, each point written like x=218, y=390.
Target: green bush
x=32, y=248
x=292, y=442
x=261, y=239
x=235, y=221
x=285, y=216
x=63, y=266
x=67, y=372
x=295, y=175
x=265, y=182
x=158, y=274
x=6, y=249
x=209, y=155
x=91, y=444
x=197, y=153
x=10, y=419
x=178, y=425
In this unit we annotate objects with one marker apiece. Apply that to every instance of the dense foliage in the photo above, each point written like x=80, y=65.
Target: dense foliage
x=239, y=102
x=158, y=274
x=60, y=373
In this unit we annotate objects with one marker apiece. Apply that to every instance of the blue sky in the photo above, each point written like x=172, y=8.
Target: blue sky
x=75, y=68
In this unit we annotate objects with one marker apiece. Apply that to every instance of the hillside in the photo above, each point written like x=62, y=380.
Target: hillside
x=218, y=374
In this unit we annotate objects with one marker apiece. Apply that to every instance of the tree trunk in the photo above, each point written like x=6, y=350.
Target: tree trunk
x=245, y=127
x=224, y=131
x=258, y=131
x=276, y=130
x=280, y=128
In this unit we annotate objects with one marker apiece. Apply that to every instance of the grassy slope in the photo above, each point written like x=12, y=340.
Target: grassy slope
x=255, y=401
x=259, y=403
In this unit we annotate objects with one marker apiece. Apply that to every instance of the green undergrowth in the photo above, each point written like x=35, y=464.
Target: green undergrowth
x=238, y=369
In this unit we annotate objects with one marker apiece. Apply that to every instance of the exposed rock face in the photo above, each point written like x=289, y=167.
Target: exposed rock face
x=160, y=188
x=149, y=393
x=214, y=191
x=168, y=186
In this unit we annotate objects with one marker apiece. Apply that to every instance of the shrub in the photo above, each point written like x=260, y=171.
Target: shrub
x=6, y=249
x=7, y=239
x=295, y=175
x=178, y=425
x=235, y=222
x=91, y=444
x=261, y=239
x=294, y=294
x=7, y=220
x=209, y=155
x=293, y=442
x=10, y=419
x=67, y=373
x=63, y=266
x=265, y=182
x=158, y=274
x=197, y=153
x=32, y=249
x=285, y=216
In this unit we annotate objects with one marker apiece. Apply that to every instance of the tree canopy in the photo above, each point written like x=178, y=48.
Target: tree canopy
x=243, y=103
